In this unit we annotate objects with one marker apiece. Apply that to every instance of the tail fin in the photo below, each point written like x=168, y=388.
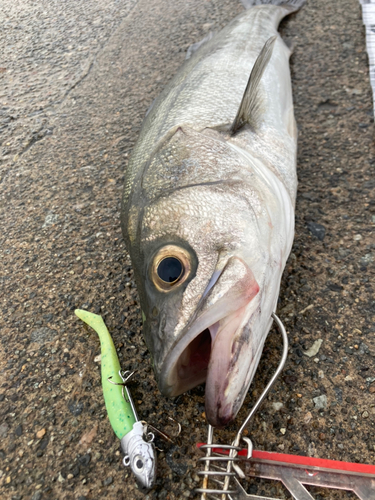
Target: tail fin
x=291, y=5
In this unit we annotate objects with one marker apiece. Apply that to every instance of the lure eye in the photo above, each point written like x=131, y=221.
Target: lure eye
x=170, y=270
x=171, y=267
x=139, y=464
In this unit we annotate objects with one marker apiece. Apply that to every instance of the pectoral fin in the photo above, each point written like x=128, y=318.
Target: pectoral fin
x=249, y=110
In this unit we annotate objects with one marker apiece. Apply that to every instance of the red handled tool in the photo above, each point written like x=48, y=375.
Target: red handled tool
x=225, y=465
x=295, y=471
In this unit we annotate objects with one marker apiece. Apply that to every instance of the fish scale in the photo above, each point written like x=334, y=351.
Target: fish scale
x=195, y=96
x=368, y=15
x=211, y=187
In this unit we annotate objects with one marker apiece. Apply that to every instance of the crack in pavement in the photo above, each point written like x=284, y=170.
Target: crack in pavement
x=25, y=87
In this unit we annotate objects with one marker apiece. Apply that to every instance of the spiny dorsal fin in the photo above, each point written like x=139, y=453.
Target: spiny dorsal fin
x=197, y=45
x=248, y=111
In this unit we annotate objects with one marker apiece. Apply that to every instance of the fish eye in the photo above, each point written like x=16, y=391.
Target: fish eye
x=170, y=270
x=171, y=267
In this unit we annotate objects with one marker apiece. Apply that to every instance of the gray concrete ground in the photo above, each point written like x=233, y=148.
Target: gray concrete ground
x=76, y=80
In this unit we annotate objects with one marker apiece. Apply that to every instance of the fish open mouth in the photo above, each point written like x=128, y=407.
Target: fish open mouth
x=225, y=356
x=218, y=346
x=192, y=365
x=211, y=356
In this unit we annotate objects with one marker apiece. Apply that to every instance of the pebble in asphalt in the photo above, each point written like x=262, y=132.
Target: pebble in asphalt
x=77, y=79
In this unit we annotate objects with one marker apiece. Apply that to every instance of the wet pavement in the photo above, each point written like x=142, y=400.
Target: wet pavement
x=76, y=81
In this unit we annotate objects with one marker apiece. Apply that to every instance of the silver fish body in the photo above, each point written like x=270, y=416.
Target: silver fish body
x=208, y=212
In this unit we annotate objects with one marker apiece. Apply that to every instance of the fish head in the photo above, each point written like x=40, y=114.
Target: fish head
x=199, y=261
x=200, y=302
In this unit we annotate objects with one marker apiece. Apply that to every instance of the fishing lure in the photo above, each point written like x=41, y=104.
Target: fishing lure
x=136, y=444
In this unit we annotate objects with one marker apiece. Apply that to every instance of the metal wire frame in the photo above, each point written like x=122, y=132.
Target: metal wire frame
x=222, y=470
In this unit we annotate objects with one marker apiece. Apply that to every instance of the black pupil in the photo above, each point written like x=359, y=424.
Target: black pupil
x=169, y=269
x=139, y=464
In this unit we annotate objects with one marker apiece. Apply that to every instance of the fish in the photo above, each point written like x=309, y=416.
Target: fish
x=208, y=209
x=139, y=452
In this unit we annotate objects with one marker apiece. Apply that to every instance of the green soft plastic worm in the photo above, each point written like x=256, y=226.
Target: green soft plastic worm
x=139, y=453
x=120, y=412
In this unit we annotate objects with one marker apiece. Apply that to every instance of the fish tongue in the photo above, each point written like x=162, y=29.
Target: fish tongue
x=221, y=390
x=213, y=331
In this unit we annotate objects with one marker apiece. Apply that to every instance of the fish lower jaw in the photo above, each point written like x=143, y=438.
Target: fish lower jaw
x=228, y=382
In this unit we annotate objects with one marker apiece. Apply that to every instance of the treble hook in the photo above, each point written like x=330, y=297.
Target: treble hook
x=126, y=376
x=164, y=434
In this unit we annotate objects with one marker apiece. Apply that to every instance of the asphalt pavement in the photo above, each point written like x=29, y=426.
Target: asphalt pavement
x=76, y=80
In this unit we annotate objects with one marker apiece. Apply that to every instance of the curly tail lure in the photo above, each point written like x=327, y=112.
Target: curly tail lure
x=139, y=452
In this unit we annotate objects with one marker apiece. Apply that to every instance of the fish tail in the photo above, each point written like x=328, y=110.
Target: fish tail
x=290, y=5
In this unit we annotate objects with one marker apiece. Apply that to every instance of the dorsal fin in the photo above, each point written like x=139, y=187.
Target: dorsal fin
x=197, y=45
x=248, y=111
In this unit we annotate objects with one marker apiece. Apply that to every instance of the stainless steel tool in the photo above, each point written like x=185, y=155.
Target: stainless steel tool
x=221, y=469
x=226, y=465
